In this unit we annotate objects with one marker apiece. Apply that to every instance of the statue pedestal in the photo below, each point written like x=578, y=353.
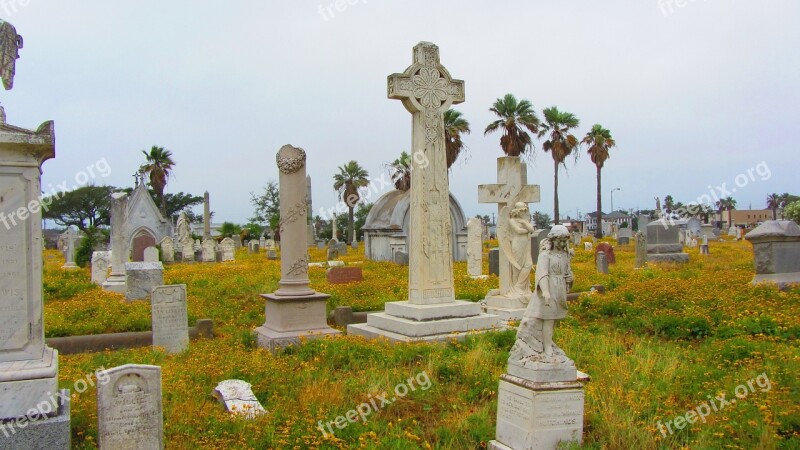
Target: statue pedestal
x=288, y=319
x=533, y=416
x=507, y=309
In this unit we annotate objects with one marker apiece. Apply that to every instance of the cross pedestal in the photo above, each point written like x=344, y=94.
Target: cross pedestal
x=512, y=187
x=431, y=313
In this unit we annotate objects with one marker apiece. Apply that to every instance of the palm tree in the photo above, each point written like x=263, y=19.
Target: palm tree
x=600, y=142
x=727, y=204
x=560, y=144
x=454, y=126
x=158, y=168
x=774, y=202
x=350, y=178
x=515, y=118
x=400, y=169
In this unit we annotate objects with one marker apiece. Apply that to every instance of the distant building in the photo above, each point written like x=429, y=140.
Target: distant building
x=616, y=218
x=747, y=217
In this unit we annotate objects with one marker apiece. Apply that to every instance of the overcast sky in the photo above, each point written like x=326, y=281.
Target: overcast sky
x=695, y=95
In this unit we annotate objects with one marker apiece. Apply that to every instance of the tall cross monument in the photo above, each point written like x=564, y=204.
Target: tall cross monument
x=427, y=90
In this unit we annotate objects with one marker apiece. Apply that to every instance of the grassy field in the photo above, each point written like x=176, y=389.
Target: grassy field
x=663, y=341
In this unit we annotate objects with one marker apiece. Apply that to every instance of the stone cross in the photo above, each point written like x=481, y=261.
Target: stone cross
x=70, y=238
x=427, y=90
x=512, y=187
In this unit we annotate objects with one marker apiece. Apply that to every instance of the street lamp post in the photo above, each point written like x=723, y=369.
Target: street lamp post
x=612, y=197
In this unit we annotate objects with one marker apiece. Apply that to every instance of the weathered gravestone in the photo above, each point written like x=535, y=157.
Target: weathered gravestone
x=253, y=247
x=101, y=262
x=776, y=251
x=28, y=368
x=342, y=275
x=663, y=244
x=170, y=318
x=168, y=250
x=142, y=277
x=119, y=243
x=474, y=247
x=623, y=240
x=294, y=310
x=71, y=238
x=228, y=247
x=601, y=261
x=641, y=250
x=150, y=254
x=536, y=241
x=238, y=398
x=272, y=255
x=129, y=408
x=401, y=258
x=494, y=261
x=209, y=250
x=431, y=311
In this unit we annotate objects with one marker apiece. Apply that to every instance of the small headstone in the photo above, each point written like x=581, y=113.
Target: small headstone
x=354, y=245
x=624, y=241
x=237, y=241
x=272, y=255
x=209, y=250
x=624, y=233
x=129, y=408
x=704, y=249
x=536, y=239
x=494, y=261
x=270, y=244
x=170, y=318
x=142, y=277
x=342, y=247
x=253, y=247
x=101, y=262
x=151, y=254
x=168, y=250
x=335, y=263
x=588, y=246
x=602, y=262
x=238, y=398
x=228, y=247
x=401, y=258
x=333, y=250
x=342, y=275
x=663, y=243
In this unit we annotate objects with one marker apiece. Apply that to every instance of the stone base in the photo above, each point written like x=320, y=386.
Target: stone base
x=70, y=266
x=479, y=277
x=50, y=433
x=405, y=322
x=668, y=257
x=782, y=280
x=275, y=340
x=25, y=384
x=116, y=283
x=508, y=309
x=545, y=372
x=289, y=318
x=532, y=416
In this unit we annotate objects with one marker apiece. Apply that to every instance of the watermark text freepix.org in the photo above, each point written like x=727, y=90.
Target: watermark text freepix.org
x=12, y=218
x=714, y=404
x=375, y=403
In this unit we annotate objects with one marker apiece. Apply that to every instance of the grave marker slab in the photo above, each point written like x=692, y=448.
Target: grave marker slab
x=170, y=318
x=129, y=408
x=142, y=277
x=238, y=398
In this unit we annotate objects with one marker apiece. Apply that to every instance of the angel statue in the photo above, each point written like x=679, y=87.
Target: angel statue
x=514, y=233
x=534, y=348
x=10, y=44
x=184, y=233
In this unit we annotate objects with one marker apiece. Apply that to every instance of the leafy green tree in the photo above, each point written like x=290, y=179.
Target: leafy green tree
x=158, y=168
x=267, y=206
x=560, y=143
x=454, y=126
x=348, y=181
x=514, y=118
x=792, y=211
x=228, y=229
x=541, y=220
x=85, y=207
x=92, y=237
x=600, y=142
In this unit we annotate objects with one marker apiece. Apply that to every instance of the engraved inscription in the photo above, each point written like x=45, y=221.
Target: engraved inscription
x=170, y=318
x=14, y=306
